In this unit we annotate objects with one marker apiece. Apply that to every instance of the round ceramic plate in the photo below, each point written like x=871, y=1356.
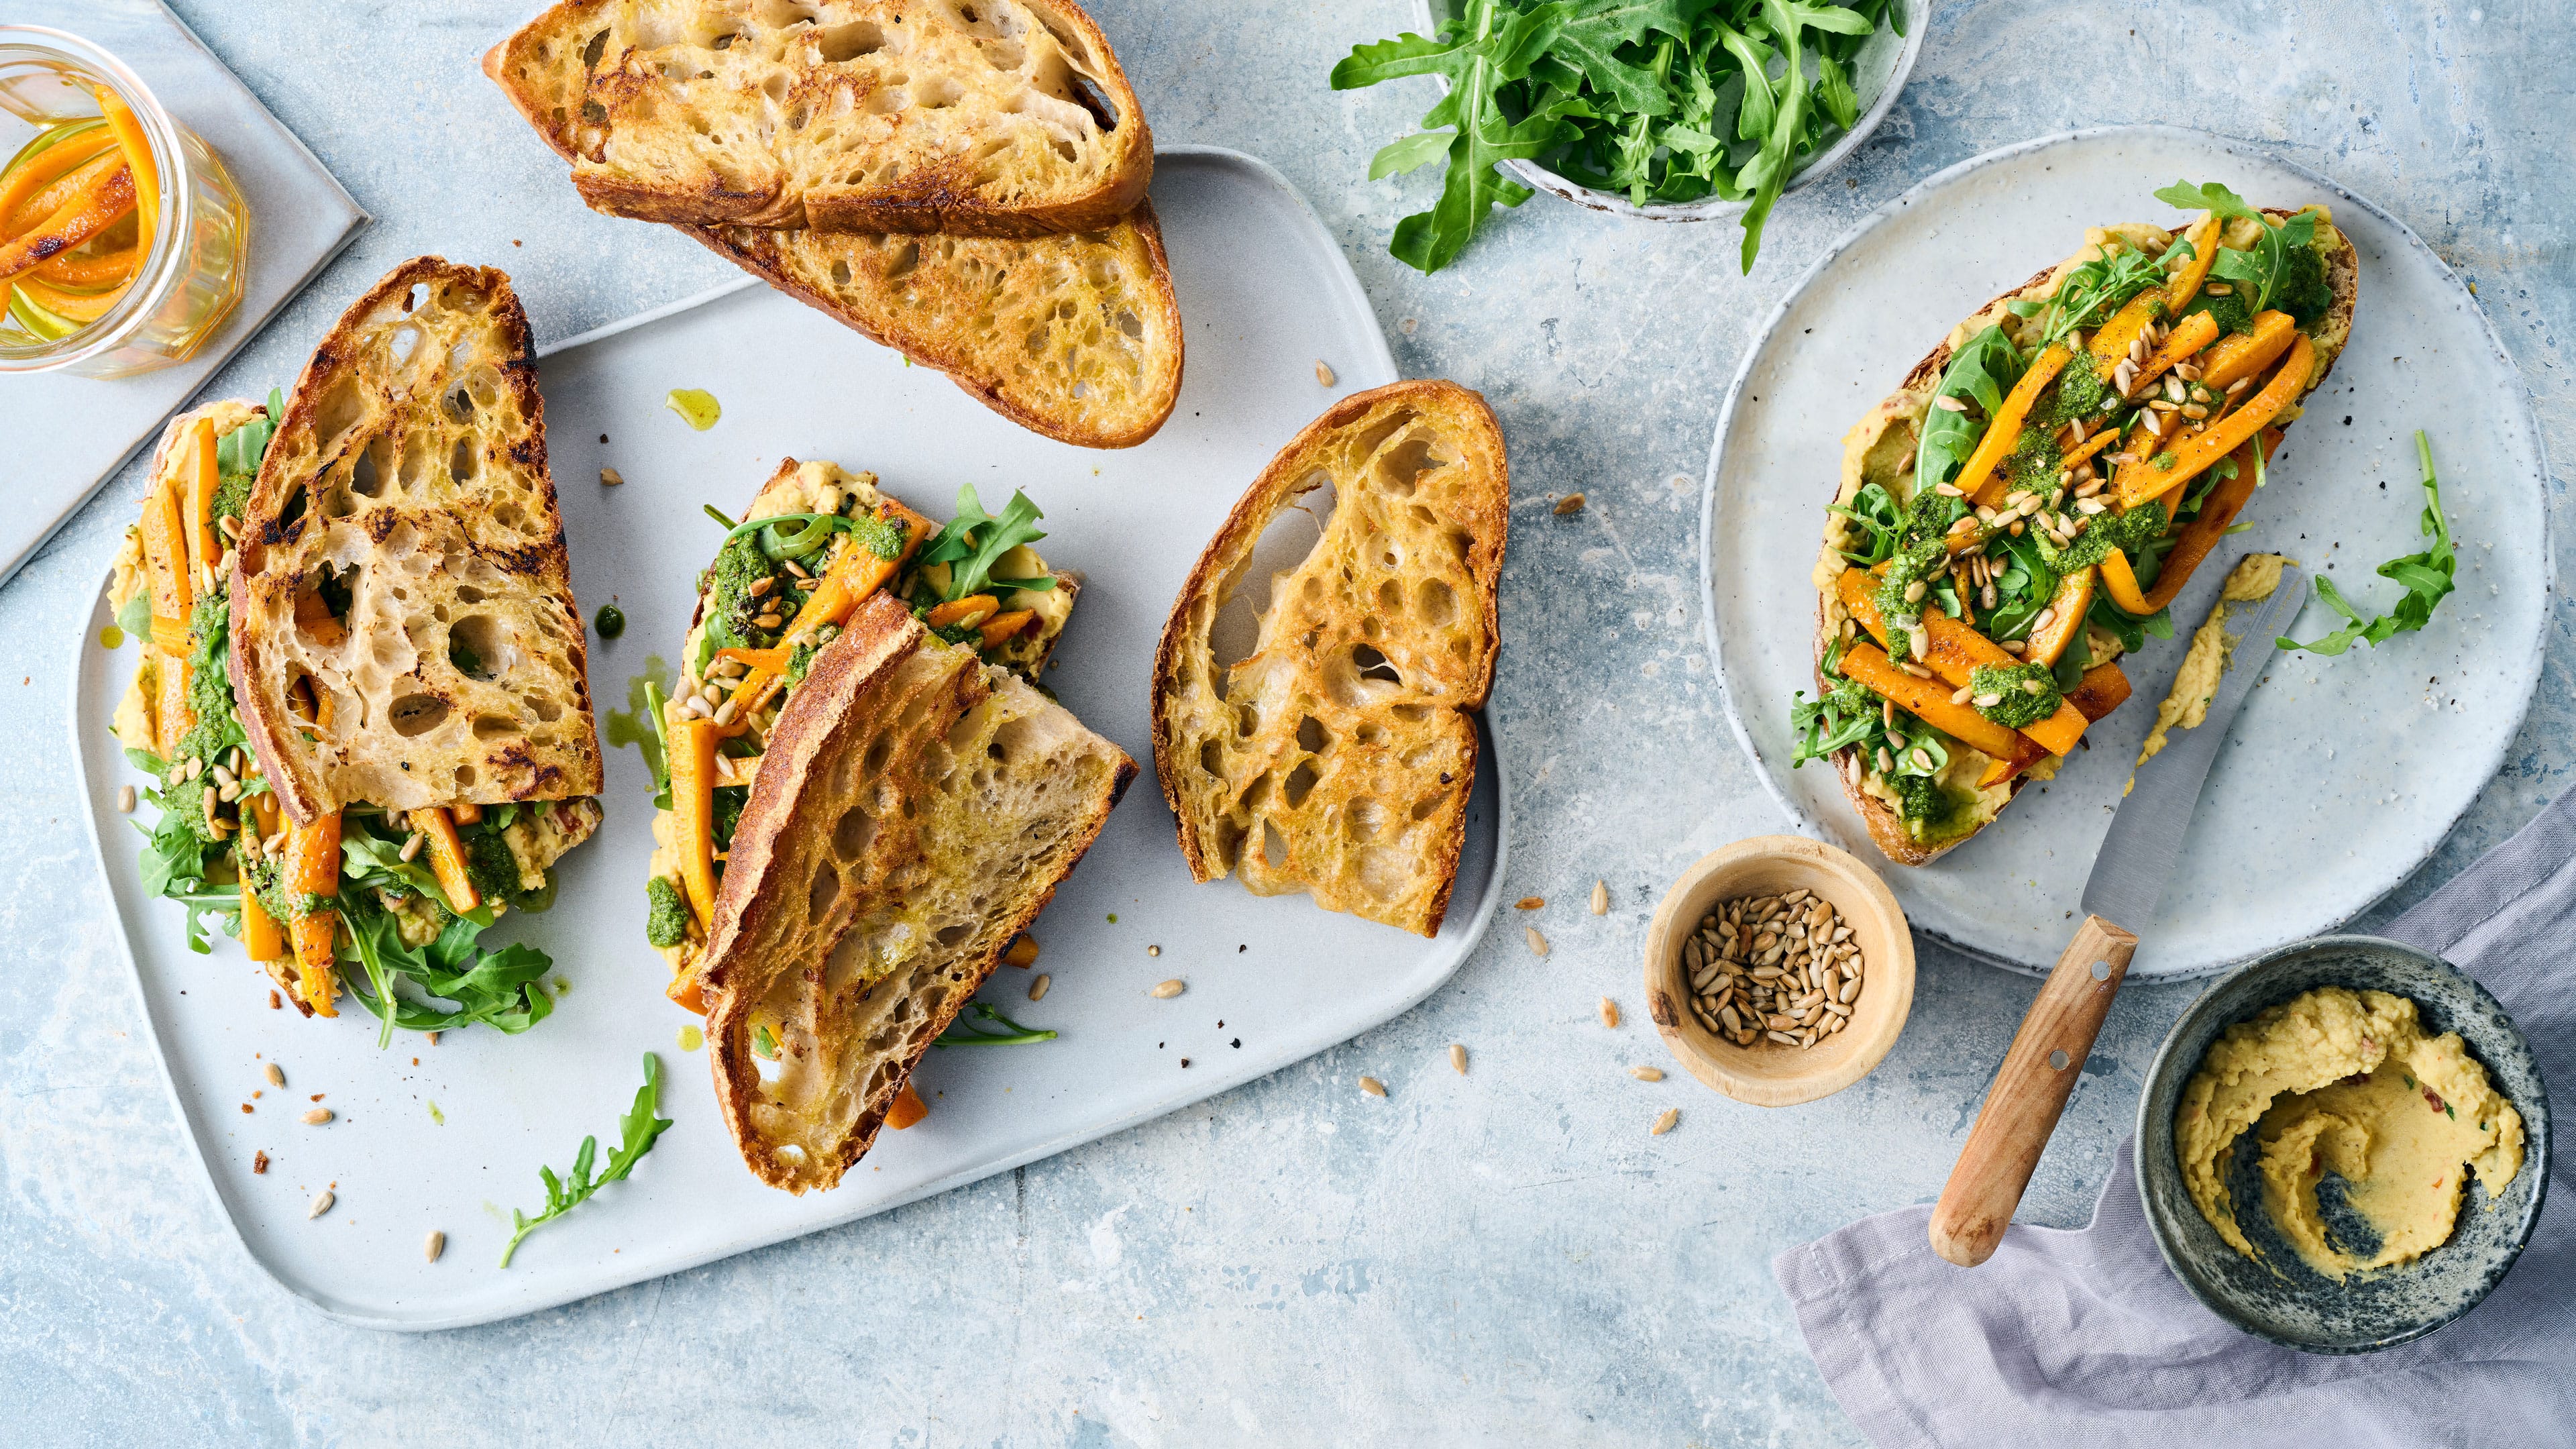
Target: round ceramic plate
x=2343, y=773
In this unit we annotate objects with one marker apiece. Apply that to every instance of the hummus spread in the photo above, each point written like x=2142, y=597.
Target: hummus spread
x=2196, y=683
x=2346, y=1083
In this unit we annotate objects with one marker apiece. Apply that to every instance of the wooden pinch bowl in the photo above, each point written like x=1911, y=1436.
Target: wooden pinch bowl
x=1770, y=1074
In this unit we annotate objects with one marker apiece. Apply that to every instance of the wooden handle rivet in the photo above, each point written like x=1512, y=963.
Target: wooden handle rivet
x=2057, y=1060
x=2101, y=970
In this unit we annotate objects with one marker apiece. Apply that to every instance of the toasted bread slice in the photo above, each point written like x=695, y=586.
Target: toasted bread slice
x=1000, y=118
x=915, y=811
x=1882, y=443
x=1336, y=758
x=1077, y=336
x=404, y=507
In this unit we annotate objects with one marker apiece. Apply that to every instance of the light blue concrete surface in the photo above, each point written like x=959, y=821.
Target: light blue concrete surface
x=1507, y=1257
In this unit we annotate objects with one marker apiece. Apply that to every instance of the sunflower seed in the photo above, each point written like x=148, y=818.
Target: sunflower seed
x=1600, y=898
x=1672, y=1118
x=1609, y=1013
x=1947, y=403
x=1373, y=1086
x=1646, y=1074
x=276, y=1074
x=1166, y=990
x=1458, y=1058
x=1324, y=378
x=316, y=1117
x=1038, y=988
x=321, y=1204
x=433, y=1245
x=1571, y=503
x=1537, y=942
x=411, y=848
x=124, y=799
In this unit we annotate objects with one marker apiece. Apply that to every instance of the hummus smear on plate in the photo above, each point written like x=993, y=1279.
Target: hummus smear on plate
x=2346, y=1082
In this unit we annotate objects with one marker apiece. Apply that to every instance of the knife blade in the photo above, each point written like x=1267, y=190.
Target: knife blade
x=2040, y=1070
x=2145, y=841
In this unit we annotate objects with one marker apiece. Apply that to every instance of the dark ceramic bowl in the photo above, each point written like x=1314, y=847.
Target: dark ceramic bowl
x=2297, y=1306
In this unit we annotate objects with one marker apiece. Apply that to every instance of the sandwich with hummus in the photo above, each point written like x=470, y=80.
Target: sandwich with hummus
x=362, y=700
x=2025, y=507
x=866, y=797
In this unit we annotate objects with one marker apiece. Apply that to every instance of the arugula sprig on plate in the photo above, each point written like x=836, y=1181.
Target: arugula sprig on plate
x=636, y=1133
x=2427, y=578
x=1622, y=95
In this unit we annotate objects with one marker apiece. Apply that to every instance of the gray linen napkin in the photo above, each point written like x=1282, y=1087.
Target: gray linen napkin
x=2084, y=1337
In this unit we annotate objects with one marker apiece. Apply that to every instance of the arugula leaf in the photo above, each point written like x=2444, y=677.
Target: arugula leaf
x=1620, y=95
x=2427, y=578
x=636, y=1132
x=2264, y=269
x=962, y=1033
x=974, y=541
x=1982, y=371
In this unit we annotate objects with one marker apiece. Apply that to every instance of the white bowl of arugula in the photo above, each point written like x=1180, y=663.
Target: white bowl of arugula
x=1636, y=107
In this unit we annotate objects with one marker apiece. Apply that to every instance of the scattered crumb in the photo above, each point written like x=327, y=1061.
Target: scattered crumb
x=259, y=1163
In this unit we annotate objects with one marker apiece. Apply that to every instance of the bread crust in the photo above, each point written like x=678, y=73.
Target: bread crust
x=312, y=455
x=1886, y=828
x=1347, y=771
x=931, y=191
x=982, y=372
x=883, y=687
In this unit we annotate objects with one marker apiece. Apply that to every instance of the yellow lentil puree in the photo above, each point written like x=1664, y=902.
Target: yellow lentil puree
x=2346, y=1082
x=2196, y=683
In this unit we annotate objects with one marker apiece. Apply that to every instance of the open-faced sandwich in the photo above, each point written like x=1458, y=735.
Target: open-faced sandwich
x=363, y=695
x=2023, y=510
x=1335, y=756
x=865, y=798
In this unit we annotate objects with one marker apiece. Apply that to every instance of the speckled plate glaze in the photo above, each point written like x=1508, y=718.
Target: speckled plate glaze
x=2298, y=1306
x=2343, y=774
x=451, y=1136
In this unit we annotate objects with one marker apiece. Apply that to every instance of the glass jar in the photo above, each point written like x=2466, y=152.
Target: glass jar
x=188, y=275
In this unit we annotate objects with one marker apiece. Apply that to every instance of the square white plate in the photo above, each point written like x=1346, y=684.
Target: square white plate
x=1265, y=294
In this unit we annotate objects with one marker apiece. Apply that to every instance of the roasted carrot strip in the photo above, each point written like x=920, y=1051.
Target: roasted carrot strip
x=97, y=269
x=50, y=166
x=2110, y=346
x=260, y=935
x=687, y=990
x=2104, y=688
x=165, y=555
x=906, y=1109
x=2074, y=595
x=1927, y=700
x=1001, y=627
x=313, y=617
x=138, y=155
x=1955, y=653
x=2248, y=353
x=855, y=573
x=2188, y=336
x=2144, y=481
x=1978, y=478
x=692, y=761
x=102, y=201
x=972, y=609
x=447, y=858
x=313, y=874
x=31, y=207
x=171, y=718
x=198, y=499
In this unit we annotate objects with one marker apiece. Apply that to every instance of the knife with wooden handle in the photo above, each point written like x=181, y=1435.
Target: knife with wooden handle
x=2129, y=875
